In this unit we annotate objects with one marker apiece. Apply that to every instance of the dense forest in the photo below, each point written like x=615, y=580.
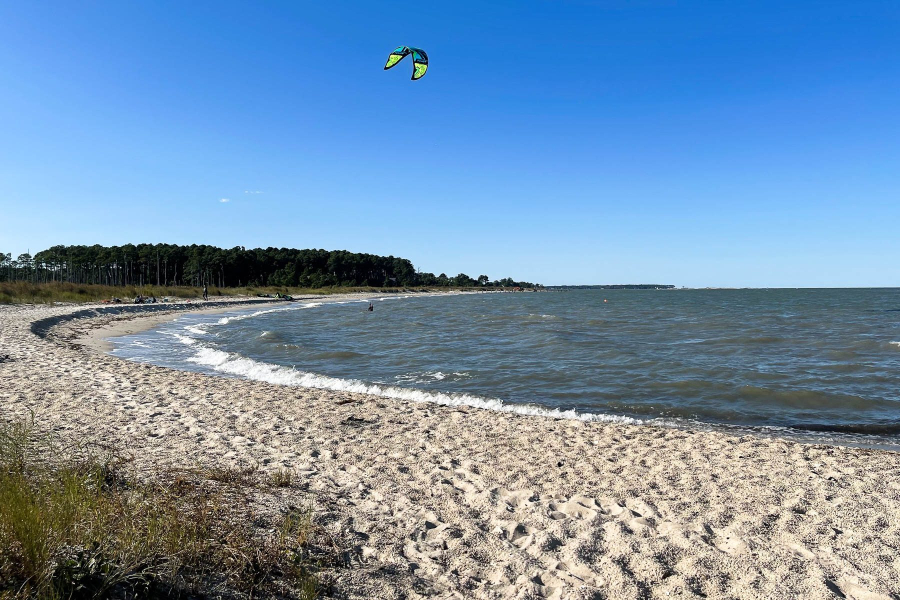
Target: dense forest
x=170, y=264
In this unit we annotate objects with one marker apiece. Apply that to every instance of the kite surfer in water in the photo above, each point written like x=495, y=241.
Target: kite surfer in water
x=371, y=307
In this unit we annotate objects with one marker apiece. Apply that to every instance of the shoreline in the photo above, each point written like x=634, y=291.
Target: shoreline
x=99, y=340
x=138, y=321
x=441, y=501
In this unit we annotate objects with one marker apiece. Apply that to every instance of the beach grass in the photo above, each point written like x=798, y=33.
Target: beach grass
x=281, y=478
x=73, y=523
x=24, y=292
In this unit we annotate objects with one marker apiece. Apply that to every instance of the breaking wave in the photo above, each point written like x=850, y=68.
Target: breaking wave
x=708, y=362
x=184, y=339
x=431, y=376
x=227, y=320
x=241, y=366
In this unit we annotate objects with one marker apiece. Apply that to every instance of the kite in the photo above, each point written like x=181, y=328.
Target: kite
x=420, y=60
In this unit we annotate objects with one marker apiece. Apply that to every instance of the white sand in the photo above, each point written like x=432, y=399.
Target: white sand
x=435, y=501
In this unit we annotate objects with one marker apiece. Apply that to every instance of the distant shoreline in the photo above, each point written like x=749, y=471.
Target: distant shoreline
x=138, y=321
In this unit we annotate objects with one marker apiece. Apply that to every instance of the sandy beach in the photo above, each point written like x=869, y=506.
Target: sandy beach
x=457, y=502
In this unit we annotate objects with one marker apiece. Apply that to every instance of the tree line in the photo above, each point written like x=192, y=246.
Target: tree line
x=198, y=265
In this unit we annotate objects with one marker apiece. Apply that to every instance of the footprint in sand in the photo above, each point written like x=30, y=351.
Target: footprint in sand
x=577, y=507
x=800, y=551
x=638, y=524
x=544, y=585
x=576, y=575
x=467, y=487
x=519, y=534
x=467, y=482
x=729, y=541
x=611, y=507
x=514, y=498
x=849, y=587
x=427, y=547
x=641, y=508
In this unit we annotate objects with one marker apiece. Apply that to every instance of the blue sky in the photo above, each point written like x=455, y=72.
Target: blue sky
x=694, y=143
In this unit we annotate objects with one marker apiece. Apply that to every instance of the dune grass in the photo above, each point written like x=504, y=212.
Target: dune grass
x=72, y=525
x=23, y=292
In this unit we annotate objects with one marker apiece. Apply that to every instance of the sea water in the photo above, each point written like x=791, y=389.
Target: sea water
x=812, y=362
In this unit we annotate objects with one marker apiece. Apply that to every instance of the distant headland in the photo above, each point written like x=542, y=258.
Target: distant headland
x=616, y=286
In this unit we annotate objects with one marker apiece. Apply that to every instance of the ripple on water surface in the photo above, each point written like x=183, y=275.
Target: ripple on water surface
x=816, y=360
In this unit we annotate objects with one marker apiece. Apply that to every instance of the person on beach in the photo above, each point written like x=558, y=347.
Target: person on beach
x=205, y=292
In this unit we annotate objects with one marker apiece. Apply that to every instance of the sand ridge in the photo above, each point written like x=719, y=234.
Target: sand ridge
x=457, y=502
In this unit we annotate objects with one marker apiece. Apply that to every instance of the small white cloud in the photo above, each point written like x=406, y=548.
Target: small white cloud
x=225, y=200
x=252, y=192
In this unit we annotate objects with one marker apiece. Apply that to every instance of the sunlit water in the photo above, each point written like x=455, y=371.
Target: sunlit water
x=818, y=362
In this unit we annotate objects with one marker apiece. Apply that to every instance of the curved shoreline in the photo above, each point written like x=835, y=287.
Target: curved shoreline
x=438, y=501
x=138, y=320
x=238, y=365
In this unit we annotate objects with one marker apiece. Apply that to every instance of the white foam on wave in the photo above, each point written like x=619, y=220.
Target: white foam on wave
x=241, y=366
x=195, y=330
x=241, y=317
x=186, y=340
x=425, y=377
x=896, y=344
x=227, y=320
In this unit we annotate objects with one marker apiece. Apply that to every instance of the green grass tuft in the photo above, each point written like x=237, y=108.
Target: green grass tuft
x=281, y=478
x=73, y=526
x=24, y=292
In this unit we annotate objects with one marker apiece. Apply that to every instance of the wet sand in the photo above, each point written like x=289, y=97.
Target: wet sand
x=457, y=502
x=98, y=337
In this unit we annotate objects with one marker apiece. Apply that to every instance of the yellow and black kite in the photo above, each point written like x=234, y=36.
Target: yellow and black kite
x=420, y=60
